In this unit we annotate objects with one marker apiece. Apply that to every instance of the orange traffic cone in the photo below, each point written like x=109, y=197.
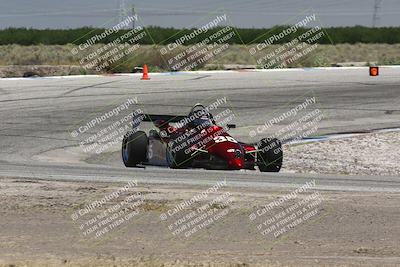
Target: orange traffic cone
x=145, y=73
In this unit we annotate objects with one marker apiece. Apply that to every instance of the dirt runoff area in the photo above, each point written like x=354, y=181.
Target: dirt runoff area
x=54, y=223
x=365, y=154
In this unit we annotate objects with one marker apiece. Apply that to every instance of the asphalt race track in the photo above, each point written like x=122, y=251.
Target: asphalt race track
x=37, y=115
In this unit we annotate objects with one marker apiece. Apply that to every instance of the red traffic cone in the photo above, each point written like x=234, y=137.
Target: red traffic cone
x=374, y=71
x=145, y=73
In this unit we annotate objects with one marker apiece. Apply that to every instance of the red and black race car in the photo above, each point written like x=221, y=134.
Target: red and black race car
x=196, y=141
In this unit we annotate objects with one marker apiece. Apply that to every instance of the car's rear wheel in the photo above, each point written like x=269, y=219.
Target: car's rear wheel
x=270, y=155
x=134, y=148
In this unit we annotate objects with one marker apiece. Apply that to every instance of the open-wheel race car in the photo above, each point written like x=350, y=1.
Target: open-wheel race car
x=196, y=141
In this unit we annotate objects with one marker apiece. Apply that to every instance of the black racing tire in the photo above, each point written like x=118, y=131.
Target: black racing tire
x=177, y=158
x=134, y=148
x=270, y=155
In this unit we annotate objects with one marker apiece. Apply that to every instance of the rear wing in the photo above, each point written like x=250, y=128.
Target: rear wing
x=170, y=119
x=166, y=118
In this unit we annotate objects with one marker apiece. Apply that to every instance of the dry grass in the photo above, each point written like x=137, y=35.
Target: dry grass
x=324, y=55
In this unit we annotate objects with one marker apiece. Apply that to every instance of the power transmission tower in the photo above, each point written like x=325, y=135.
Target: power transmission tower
x=133, y=15
x=376, y=18
x=122, y=14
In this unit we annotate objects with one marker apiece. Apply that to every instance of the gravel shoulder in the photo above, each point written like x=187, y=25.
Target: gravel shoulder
x=367, y=154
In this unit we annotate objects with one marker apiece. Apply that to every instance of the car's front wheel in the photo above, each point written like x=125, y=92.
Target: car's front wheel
x=269, y=155
x=134, y=148
x=178, y=157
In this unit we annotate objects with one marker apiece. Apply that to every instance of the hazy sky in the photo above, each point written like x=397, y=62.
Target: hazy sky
x=183, y=13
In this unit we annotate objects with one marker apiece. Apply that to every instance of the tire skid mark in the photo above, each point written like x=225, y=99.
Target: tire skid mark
x=86, y=87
